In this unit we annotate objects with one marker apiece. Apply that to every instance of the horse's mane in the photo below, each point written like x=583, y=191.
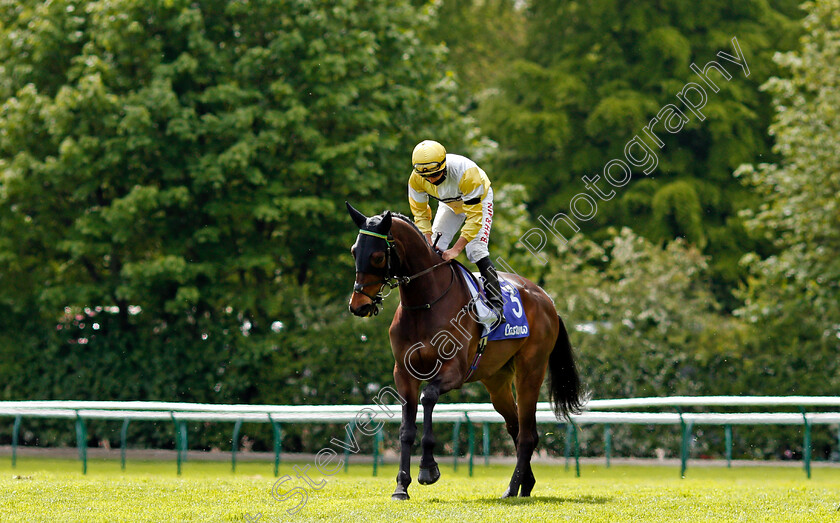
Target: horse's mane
x=409, y=221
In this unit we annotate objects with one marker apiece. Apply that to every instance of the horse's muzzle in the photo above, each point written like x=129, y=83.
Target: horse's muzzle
x=364, y=311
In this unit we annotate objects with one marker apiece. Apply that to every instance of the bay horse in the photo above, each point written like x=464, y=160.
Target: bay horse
x=434, y=339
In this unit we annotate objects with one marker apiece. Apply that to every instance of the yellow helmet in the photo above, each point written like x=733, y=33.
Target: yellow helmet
x=428, y=158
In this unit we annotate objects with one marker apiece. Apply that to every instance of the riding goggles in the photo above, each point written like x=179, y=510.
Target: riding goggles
x=430, y=169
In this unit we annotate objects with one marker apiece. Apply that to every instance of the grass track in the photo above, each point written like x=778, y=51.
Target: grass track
x=55, y=490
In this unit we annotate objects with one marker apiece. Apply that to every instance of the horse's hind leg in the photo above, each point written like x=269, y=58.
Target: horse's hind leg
x=501, y=396
x=429, y=471
x=528, y=381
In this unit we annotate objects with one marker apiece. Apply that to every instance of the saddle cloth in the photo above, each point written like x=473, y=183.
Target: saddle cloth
x=517, y=322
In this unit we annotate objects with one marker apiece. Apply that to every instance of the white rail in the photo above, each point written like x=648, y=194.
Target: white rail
x=596, y=412
x=339, y=413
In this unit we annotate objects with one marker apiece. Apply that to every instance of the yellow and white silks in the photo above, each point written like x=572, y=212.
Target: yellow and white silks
x=465, y=196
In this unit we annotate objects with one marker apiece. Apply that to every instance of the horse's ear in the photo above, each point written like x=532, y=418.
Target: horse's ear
x=358, y=217
x=385, y=225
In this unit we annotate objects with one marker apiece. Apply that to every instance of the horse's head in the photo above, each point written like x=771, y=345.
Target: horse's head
x=376, y=259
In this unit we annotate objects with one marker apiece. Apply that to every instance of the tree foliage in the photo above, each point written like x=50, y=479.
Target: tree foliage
x=172, y=179
x=483, y=38
x=189, y=162
x=592, y=76
x=644, y=323
x=640, y=310
x=793, y=298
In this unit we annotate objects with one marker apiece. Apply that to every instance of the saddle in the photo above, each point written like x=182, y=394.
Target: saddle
x=517, y=323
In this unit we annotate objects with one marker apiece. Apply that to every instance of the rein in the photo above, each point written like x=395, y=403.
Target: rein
x=429, y=305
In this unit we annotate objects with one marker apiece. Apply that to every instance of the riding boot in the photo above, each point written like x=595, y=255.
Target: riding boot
x=491, y=288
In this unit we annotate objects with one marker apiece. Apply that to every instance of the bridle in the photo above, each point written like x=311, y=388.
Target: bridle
x=392, y=280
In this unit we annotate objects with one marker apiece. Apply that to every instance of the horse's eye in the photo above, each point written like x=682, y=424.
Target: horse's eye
x=378, y=259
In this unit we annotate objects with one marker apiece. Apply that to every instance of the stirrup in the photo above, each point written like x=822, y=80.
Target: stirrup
x=500, y=318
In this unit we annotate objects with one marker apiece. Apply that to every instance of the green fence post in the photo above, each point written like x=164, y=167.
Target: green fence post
x=177, y=441
x=376, y=440
x=15, y=432
x=567, y=450
x=471, y=440
x=278, y=444
x=182, y=426
x=347, y=445
x=608, y=442
x=123, y=436
x=379, y=440
x=806, y=445
x=81, y=441
x=382, y=444
x=686, y=442
x=728, y=433
x=456, y=431
x=577, y=448
x=486, y=443
x=234, y=444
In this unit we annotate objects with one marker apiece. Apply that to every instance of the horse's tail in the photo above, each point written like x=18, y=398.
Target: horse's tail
x=564, y=389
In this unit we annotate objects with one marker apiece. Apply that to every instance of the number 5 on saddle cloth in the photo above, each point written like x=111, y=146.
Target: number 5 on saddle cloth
x=516, y=325
x=517, y=322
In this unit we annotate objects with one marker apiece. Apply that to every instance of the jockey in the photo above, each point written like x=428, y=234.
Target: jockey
x=463, y=190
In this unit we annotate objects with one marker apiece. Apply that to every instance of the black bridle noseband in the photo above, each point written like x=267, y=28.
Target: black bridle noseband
x=393, y=280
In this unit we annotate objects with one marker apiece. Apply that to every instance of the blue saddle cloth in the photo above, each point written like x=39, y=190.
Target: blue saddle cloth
x=517, y=323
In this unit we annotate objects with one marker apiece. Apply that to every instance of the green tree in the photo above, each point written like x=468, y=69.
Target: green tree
x=644, y=322
x=175, y=172
x=677, y=211
x=645, y=315
x=483, y=38
x=592, y=76
x=793, y=298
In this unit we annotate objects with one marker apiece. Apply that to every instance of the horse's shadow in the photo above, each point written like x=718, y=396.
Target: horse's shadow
x=585, y=499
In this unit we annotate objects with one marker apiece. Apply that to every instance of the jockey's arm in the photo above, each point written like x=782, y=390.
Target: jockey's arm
x=456, y=249
x=418, y=200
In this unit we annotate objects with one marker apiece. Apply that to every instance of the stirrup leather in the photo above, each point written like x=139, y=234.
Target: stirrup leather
x=492, y=290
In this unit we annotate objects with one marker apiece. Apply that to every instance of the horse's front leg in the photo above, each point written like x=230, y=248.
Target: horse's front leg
x=450, y=377
x=429, y=471
x=407, y=387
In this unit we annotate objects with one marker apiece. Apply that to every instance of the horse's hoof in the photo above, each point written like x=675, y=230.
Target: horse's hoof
x=527, y=487
x=509, y=494
x=399, y=496
x=429, y=475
